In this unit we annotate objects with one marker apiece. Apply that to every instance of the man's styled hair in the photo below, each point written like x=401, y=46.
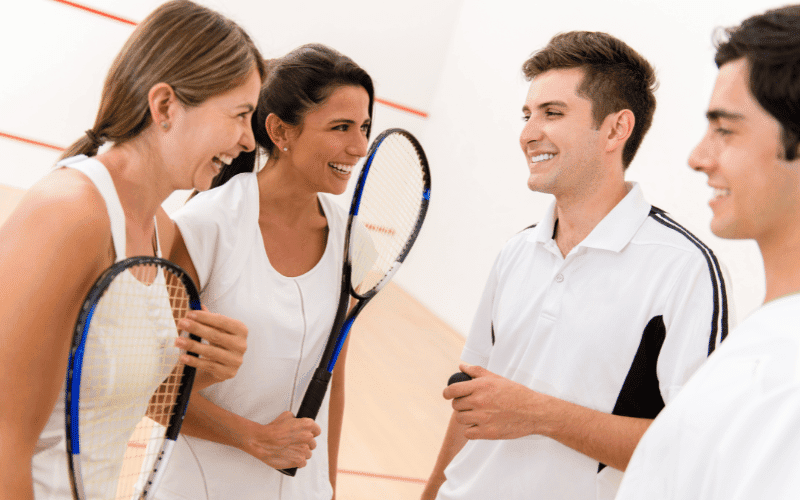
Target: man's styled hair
x=771, y=44
x=616, y=78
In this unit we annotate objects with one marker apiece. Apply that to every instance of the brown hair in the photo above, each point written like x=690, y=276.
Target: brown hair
x=616, y=78
x=771, y=44
x=195, y=50
x=300, y=80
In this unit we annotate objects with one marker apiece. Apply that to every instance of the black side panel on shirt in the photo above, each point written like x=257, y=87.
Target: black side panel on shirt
x=640, y=396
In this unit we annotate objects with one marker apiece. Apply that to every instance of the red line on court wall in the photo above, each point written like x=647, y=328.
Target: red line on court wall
x=31, y=141
x=383, y=476
x=385, y=102
x=407, y=109
x=98, y=12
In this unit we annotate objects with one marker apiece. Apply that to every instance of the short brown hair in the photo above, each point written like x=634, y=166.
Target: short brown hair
x=616, y=78
x=197, y=51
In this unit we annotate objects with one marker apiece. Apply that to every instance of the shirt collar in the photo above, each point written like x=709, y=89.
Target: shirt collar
x=616, y=229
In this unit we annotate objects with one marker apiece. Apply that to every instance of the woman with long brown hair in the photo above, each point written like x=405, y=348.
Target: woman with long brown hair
x=175, y=108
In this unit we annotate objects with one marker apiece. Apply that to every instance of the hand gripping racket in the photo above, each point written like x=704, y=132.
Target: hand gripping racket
x=126, y=391
x=388, y=208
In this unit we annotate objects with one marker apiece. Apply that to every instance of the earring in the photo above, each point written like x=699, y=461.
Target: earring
x=165, y=125
x=286, y=149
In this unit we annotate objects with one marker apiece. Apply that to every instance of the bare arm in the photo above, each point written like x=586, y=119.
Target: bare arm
x=454, y=441
x=283, y=443
x=336, y=415
x=494, y=407
x=52, y=248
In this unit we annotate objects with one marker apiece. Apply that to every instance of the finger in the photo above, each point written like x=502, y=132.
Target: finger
x=218, y=371
x=211, y=353
x=458, y=390
x=214, y=336
x=218, y=321
x=473, y=371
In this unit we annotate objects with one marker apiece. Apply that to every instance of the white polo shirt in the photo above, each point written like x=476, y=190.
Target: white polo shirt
x=734, y=431
x=618, y=326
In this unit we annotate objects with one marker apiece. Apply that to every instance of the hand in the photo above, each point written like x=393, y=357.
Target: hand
x=222, y=356
x=283, y=443
x=494, y=407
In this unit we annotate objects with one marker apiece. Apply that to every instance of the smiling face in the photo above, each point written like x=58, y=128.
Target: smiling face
x=202, y=138
x=756, y=193
x=325, y=147
x=559, y=139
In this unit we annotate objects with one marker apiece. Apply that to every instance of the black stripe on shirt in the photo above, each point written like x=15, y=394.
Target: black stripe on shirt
x=719, y=320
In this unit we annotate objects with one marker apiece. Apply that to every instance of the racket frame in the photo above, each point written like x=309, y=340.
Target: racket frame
x=342, y=323
x=75, y=365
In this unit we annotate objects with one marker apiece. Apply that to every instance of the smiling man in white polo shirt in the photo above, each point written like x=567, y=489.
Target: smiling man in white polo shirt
x=734, y=432
x=592, y=319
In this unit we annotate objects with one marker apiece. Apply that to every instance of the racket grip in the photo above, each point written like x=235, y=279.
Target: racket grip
x=311, y=404
x=458, y=377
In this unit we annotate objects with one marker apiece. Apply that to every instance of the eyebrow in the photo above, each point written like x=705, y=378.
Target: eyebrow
x=543, y=105
x=248, y=107
x=720, y=114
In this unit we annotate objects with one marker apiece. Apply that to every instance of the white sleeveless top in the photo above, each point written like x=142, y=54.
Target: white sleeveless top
x=49, y=465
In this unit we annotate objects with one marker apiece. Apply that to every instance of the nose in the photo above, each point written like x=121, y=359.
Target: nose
x=247, y=140
x=358, y=147
x=701, y=159
x=531, y=132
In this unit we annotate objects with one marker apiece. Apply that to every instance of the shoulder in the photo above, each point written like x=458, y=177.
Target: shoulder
x=222, y=206
x=66, y=205
x=336, y=214
x=62, y=224
x=668, y=235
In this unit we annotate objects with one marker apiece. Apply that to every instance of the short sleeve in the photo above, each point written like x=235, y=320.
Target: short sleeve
x=481, y=335
x=212, y=222
x=696, y=318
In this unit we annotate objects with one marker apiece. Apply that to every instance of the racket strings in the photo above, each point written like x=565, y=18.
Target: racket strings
x=391, y=202
x=130, y=380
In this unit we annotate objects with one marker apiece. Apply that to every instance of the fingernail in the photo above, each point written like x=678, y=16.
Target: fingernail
x=183, y=323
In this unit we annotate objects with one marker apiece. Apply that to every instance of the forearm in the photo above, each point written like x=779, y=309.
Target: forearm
x=453, y=442
x=206, y=420
x=607, y=438
x=16, y=482
x=336, y=415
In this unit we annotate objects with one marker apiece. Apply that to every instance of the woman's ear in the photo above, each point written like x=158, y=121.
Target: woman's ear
x=162, y=100
x=279, y=132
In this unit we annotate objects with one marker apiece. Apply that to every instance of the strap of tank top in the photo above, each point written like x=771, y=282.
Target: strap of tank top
x=100, y=177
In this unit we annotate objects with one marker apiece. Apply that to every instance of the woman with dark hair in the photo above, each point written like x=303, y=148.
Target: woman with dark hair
x=176, y=106
x=266, y=247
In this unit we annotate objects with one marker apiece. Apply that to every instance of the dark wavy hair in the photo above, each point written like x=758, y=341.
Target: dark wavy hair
x=616, y=77
x=771, y=44
x=295, y=83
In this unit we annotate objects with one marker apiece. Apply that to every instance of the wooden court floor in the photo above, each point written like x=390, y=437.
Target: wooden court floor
x=400, y=358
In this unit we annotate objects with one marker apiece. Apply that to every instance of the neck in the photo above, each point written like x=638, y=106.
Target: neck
x=781, y=263
x=140, y=181
x=579, y=214
x=284, y=198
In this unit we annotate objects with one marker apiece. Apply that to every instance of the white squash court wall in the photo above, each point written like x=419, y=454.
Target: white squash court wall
x=458, y=61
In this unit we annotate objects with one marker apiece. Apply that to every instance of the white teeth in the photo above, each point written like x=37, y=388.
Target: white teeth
x=542, y=157
x=343, y=169
x=719, y=192
x=226, y=159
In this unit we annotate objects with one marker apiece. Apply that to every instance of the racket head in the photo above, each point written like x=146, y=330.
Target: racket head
x=389, y=205
x=126, y=390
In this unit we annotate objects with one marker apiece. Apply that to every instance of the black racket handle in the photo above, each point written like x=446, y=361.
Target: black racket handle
x=311, y=404
x=458, y=377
